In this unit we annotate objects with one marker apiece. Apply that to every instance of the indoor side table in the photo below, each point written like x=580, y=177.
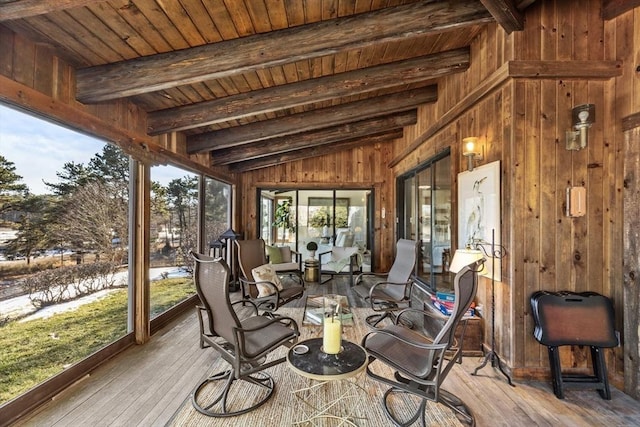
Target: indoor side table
x=328, y=370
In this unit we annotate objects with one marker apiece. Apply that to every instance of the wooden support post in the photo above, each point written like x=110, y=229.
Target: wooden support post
x=631, y=261
x=139, y=231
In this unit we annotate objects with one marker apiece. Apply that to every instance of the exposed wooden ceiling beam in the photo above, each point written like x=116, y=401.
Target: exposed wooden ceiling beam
x=590, y=69
x=312, y=120
x=28, y=8
x=523, y=4
x=631, y=122
x=506, y=14
x=308, y=91
x=613, y=8
x=218, y=60
x=313, y=138
x=307, y=153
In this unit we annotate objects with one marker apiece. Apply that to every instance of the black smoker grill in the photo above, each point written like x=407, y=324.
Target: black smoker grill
x=569, y=318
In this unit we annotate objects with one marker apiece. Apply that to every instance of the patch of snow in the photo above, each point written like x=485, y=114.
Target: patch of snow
x=49, y=311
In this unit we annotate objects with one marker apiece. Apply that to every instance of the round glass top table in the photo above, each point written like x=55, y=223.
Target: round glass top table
x=317, y=365
x=308, y=360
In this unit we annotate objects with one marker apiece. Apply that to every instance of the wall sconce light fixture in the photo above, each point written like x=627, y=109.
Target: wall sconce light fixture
x=471, y=150
x=582, y=117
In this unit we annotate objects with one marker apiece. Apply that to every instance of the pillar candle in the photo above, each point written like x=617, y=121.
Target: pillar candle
x=331, y=338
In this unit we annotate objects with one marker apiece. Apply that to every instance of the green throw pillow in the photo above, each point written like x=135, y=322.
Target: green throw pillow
x=274, y=254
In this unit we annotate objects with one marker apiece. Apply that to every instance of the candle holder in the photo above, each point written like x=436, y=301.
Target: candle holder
x=332, y=327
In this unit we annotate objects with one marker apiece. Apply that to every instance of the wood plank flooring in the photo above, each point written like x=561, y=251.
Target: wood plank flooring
x=145, y=386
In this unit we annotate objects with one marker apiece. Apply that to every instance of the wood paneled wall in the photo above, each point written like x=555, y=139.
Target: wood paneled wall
x=522, y=123
x=363, y=167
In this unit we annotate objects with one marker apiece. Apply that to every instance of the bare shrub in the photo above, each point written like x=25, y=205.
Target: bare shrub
x=47, y=287
x=66, y=283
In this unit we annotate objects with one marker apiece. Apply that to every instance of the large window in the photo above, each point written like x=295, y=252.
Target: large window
x=67, y=286
x=174, y=228
x=63, y=249
x=174, y=231
x=217, y=209
x=424, y=206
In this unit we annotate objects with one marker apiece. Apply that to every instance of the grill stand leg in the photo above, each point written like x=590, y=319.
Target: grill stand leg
x=598, y=380
x=600, y=372
x=556, y=371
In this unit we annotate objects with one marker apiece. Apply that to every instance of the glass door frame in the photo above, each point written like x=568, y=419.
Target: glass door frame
x=364, y=230
x=404, y=201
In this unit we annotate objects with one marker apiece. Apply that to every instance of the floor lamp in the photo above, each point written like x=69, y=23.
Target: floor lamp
x=494, y=251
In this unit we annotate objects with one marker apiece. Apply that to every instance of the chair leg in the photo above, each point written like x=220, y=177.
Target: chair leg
x=461, y=411
x=199, y=311
x=374, y=319
x=419, y=414
x=214, y=400
x=300, y=276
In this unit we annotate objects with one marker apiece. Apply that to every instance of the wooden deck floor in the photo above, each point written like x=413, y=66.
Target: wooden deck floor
x=145, y=386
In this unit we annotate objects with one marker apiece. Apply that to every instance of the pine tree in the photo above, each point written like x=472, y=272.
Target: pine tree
x=12, y=190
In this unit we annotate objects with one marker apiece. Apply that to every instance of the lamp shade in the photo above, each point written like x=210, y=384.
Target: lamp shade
x=469, y=146
x=464, y=257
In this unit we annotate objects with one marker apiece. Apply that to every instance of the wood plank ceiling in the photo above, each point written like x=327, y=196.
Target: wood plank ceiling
x=260, y=82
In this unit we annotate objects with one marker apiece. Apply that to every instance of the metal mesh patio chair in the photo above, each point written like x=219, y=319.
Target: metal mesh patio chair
x=392, y=291
x=266, y=293
x=421, y=364
x=244, y=343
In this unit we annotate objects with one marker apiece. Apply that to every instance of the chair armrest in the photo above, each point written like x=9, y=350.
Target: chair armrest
x=289, y=321
x=296, y=257
x=362, y=276
x=385, y=284
x=320, y=255
x=284, y=320
x=259, y=301
x=354, y=261
x=271, y=285
x=422, y=345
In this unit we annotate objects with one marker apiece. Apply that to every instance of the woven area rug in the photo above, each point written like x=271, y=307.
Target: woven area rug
x=284, y=408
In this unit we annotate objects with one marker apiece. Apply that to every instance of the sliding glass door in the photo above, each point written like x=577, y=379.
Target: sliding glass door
x=327, y=217
x=424, y=205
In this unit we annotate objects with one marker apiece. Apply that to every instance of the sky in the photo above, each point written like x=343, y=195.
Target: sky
x=38, y=149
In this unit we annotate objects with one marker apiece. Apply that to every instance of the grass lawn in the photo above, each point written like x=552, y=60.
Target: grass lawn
x=36, y=350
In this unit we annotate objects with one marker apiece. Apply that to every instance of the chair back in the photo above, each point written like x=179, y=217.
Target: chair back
x=405, y=261
x=345, y=239
x=402, y=268
x=465, y=285
x=211, y=277
x=251, y=254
